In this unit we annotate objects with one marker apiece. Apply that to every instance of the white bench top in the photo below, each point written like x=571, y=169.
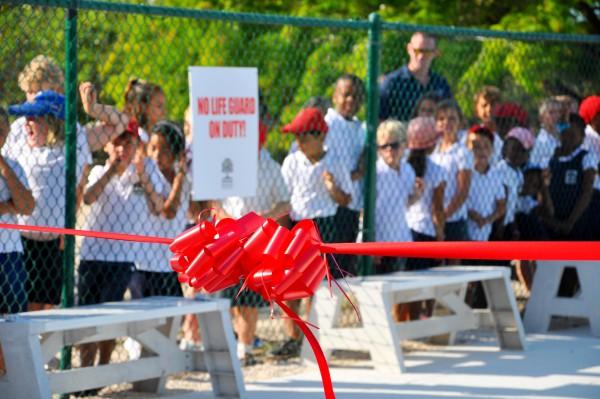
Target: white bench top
x=113, y=313
x=433, y=277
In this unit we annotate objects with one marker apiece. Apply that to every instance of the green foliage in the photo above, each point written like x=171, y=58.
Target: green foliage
x=296, y=63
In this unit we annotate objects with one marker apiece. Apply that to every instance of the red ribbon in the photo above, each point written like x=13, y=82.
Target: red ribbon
x=281, y=265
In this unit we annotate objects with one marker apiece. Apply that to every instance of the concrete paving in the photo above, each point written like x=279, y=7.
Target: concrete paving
x=560, y=364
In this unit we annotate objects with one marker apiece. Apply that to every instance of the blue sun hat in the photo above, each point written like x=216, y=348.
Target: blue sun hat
x=45, y=102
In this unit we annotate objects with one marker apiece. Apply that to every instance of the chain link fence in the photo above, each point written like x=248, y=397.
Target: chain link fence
x=400, y=180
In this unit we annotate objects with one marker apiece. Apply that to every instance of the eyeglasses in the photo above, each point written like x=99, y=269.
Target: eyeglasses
x=424, y=51
x=394, y=146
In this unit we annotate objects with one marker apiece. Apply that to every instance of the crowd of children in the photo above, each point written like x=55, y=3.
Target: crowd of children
x=435, y=181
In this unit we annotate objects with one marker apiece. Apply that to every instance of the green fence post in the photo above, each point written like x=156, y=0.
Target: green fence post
x=68, y=289
x=371, y=147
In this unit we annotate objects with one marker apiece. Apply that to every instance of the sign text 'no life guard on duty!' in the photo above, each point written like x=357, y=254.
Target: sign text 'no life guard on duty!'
x=224, y=105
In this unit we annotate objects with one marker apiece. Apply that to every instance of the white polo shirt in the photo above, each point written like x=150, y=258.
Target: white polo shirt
x=271, y=189
x=456, y=158
x=309, y=197
x=156, y=257
x=543, y=149
x=591, y=143
x=346, y=140
x=10, y=240
x=120, y=208
x=486, y=189
x=512, y=180
x=393, y=189
x=420, y=215
x=45, y=168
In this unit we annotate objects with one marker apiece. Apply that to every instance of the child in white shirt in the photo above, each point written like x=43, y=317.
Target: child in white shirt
x=487, y=200
x=395, y=188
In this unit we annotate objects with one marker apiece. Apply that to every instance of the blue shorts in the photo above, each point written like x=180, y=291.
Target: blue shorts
x=44, y=264
x=101, y=281
x=13, y=279
x=456, y=231
x=144, y=284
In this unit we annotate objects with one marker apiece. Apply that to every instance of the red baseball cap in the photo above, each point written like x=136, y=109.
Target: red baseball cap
x=307, y=120
x=133, y=128
x=511, y=110
x=589, y=108
x=483, y=130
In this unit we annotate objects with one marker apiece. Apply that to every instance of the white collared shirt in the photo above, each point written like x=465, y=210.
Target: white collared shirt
x=120, y=208
x=156, y=257
x=309, y=197
x=543, y=149
x=486, y=190
x=45, y=170
x=512, y=180
x=346, y=140
x=591, y=143
x=393, y=189
x=456, y=158
x=420, y=215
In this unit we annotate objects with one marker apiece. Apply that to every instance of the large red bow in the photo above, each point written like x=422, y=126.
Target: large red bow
x=273, y=261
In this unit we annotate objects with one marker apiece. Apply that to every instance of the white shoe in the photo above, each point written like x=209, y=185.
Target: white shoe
x=133, y=347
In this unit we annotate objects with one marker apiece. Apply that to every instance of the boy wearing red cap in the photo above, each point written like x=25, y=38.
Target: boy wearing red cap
x=318, y=184
x=316, y=180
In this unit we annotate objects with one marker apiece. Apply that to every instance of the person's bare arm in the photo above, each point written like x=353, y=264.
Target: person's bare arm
x=462, y=192
x=341, y=198
x=21, y=200
x=437, y=211
x=499, y=211
x=91, y=194
x=113, y=121
x=173, y=200
x=154, y=200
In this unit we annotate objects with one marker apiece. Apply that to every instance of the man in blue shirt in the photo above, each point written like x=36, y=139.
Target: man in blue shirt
x=401, y=89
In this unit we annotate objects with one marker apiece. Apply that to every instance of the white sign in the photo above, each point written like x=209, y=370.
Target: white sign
x=224, y=104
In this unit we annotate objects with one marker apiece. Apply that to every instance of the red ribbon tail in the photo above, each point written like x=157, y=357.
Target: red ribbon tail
x=314, y=344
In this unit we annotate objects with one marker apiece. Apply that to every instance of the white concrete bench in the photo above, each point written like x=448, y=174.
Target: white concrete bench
x=381, y=335
x=29, y=340
x=544, y=302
